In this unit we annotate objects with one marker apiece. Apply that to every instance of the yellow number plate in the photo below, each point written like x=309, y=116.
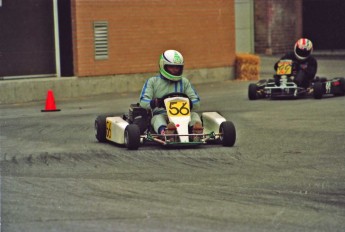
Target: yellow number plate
x=178, y=108
x=284, y=68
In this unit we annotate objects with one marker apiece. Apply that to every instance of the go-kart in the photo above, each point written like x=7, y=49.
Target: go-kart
x=134, y=129
x=283, y=86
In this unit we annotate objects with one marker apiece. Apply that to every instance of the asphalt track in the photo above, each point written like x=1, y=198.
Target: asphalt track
x=286, y=171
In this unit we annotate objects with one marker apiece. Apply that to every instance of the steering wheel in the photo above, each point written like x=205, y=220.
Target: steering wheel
x=176, y=94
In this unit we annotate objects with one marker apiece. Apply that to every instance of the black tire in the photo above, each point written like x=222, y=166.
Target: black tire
x=100, y=128
x=323, y=79
x=132, y=137
x=318, y=90
x=342, y=84
x=228, y=131
x=252, y=91
x=339, y=90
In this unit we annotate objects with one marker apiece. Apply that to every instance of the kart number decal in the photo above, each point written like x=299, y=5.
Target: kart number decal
x=284, y=68
x=178, y=108
x=108, y=130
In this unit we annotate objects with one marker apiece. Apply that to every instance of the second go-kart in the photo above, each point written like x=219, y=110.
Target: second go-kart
x=134, y=129
x=283, y=86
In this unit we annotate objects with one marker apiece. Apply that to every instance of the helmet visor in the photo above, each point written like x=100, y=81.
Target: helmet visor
x=303, y=52
x=175, y=70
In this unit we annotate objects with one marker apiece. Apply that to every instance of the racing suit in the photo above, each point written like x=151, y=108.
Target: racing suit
x=157, y=87
x=306, y=69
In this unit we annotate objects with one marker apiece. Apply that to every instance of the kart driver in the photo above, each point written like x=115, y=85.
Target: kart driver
x=169, y=80
x=305, y=63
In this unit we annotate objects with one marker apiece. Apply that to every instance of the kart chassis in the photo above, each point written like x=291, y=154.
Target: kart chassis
x=134, y=129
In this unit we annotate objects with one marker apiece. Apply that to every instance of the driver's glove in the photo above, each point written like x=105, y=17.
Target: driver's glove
x=157, y=102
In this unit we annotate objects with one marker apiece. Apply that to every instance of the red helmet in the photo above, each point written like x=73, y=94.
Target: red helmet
x=303, y=48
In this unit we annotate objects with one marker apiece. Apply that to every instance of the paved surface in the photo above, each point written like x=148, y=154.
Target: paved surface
x=285, y=172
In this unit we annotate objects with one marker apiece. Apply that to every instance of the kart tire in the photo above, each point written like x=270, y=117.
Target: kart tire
x=318, y=90
x=323, y=79
x=132, y=136
x=252, y=91
x=228, y=131
x=342, y=84
x=100, y=128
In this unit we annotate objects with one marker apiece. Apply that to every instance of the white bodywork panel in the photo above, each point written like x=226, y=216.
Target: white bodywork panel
x=178, y=111
x=182, y=127
x=115, y=129
x=212, y=121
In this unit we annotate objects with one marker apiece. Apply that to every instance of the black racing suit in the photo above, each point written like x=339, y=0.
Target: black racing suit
x=305, y=69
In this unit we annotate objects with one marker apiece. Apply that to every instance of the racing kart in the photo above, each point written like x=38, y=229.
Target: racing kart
x=283, y=86
x=134, y=129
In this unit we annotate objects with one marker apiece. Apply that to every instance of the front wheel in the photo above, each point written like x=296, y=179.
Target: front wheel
x=132, y=137
x=227, y=134
x=252, y=92
x=100, y=128
x=318, y=90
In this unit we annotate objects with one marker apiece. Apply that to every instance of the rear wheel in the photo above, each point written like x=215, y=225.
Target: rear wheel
x=342, y=85
x=132, y=137
x=252, y=91
x=100, y=128
x=318, y=90
x=228, y=134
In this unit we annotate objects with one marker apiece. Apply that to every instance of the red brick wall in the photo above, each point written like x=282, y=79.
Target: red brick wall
x=140, y=30
x=278, y=24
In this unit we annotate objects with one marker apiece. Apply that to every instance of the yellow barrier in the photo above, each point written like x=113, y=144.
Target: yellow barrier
x=247, y=67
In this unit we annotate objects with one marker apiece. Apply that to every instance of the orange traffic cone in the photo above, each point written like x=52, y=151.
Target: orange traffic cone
x=50, y=102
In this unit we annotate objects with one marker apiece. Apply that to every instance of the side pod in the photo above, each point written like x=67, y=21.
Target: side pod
x=212, y=121
x=115, y=129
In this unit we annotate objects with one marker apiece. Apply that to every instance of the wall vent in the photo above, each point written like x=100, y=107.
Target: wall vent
x=100, y=30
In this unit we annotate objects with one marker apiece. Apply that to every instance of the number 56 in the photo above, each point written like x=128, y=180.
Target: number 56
x=179, y=108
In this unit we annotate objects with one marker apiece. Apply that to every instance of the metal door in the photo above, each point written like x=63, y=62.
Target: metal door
x=323, y=23
x=27, y=38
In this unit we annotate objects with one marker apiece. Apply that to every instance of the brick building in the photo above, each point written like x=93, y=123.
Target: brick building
x=112, y=37
x=137, y=31
x=279, y=23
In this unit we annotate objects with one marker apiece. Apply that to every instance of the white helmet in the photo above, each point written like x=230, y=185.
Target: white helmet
x=171, y=58
x=303, y=48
